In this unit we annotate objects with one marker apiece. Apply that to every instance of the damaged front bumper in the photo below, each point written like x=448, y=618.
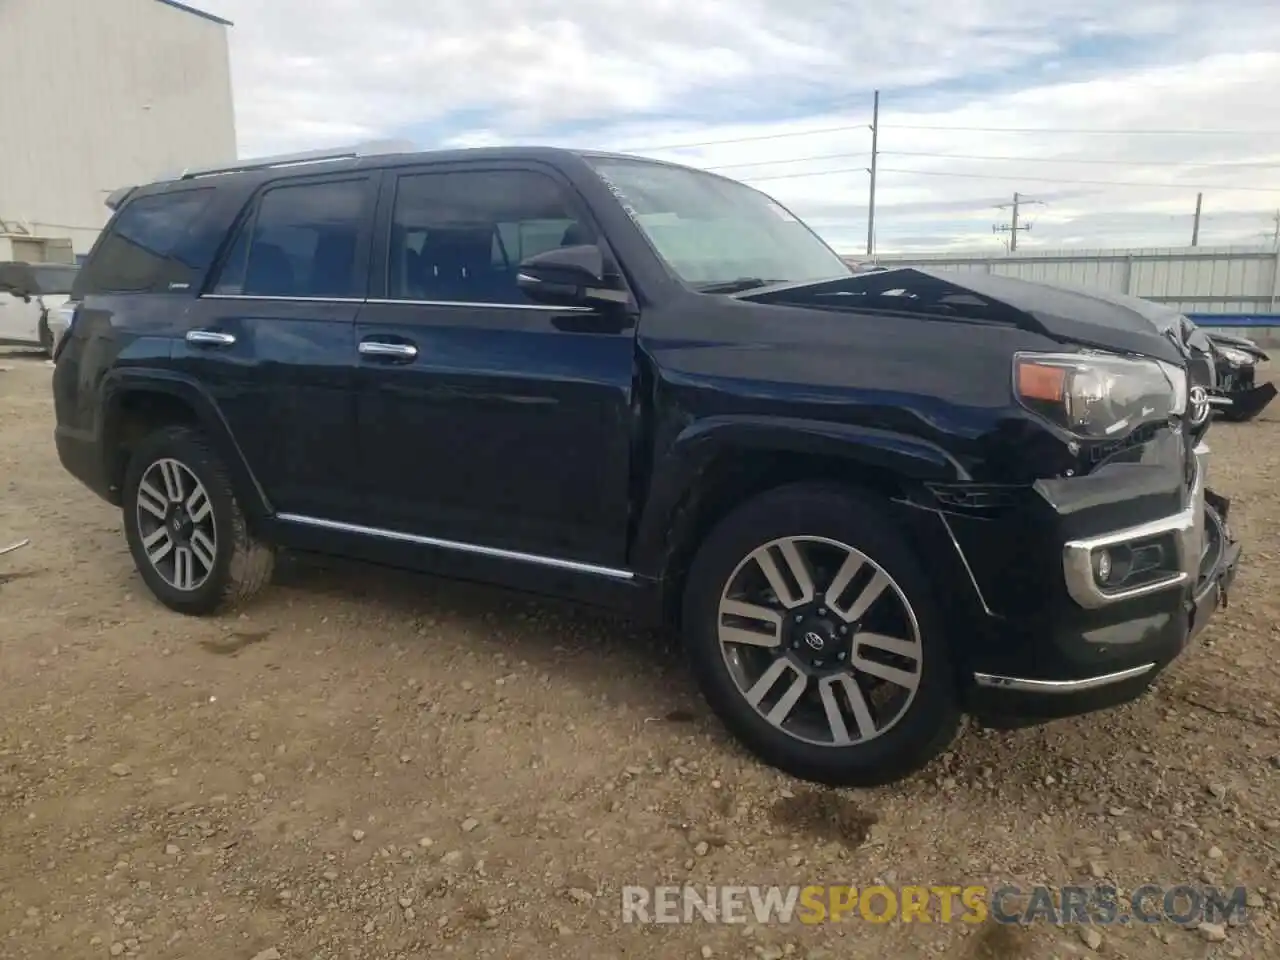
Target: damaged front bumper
x=1244, y=404
x=1094, y=626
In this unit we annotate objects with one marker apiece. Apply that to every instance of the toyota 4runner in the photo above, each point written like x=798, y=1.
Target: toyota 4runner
x=870, y=502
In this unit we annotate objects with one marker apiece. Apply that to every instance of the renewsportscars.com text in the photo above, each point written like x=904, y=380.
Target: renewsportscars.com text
x=1151, y=903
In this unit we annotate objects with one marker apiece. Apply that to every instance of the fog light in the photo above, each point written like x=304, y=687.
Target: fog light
x=1102, y=565
x=1145, y=559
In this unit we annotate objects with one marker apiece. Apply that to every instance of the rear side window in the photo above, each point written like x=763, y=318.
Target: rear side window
x=142, y=250
x=301, y=240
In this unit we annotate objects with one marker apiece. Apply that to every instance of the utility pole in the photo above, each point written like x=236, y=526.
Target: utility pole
x=1013, y=227
x=1195, y=226
x=1275, y=235
x=871, y=202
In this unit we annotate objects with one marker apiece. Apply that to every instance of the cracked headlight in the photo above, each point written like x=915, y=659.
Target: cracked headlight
x=1238, y=357
x=1099, y=396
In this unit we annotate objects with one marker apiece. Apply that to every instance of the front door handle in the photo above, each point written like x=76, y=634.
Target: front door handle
x=210, y=338
x=389, y=351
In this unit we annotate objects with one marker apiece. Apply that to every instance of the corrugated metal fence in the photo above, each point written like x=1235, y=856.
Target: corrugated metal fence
x=1215, y=286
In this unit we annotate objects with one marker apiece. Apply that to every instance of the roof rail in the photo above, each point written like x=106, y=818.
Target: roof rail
x=370, y=148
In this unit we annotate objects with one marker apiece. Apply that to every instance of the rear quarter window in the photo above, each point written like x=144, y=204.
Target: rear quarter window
x=144, y=247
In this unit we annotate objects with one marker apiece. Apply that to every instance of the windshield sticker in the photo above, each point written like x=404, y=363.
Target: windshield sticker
x=620, y=197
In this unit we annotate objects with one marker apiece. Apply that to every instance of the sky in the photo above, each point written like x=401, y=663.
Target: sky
x=1107, y=117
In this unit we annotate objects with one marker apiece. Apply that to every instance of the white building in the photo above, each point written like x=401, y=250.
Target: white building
x=96, y=95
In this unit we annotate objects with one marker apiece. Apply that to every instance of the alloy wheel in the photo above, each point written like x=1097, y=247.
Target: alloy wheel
x=175, y=524
x=820, y=640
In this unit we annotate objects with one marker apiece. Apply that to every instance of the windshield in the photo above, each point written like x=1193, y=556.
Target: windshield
x=715, y=232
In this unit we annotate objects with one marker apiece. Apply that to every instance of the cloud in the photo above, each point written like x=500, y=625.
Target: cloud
x=797, y=80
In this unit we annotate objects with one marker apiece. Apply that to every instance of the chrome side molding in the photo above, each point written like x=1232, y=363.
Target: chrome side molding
x=496, y=553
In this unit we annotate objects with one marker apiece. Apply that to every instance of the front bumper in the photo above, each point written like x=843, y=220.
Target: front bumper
x=1060, y=643
x=1184, y=531
x=1245, y=404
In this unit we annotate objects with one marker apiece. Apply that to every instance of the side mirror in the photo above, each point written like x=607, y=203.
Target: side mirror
x=566, y=275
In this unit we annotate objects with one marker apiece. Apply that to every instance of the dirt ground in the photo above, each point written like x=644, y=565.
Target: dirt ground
x=373, y=764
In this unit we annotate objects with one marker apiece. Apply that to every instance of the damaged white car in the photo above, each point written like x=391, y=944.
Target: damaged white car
x=30, y=297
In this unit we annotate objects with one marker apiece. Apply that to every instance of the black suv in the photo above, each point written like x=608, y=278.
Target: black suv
x=869, y=501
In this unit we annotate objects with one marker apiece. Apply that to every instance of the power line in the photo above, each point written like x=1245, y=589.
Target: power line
x=767, y=136
x=844, y=128
x=769, y=163
x=1088, y=132
x=1092, y=160
x=1007, y=177
x=976, y=156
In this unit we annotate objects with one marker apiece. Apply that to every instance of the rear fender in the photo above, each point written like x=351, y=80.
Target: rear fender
x=122, y=387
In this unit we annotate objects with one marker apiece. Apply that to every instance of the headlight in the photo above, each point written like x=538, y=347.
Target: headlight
x=1238, y=357
x=1098, y=396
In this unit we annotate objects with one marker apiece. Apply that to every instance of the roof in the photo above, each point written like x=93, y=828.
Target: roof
x=199, y=13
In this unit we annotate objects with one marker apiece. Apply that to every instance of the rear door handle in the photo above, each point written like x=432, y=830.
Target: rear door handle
x=388, y=351
x=210, y=338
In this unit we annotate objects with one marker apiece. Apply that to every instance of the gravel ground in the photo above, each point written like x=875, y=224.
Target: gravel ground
x=373, y=764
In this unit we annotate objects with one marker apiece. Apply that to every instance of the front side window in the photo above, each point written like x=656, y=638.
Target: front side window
x=459, y=237
x=301, y=242
x=141, y=250
x=712, y=231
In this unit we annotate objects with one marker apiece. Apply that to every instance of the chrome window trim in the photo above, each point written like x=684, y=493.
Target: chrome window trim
x=546, y=308
x=497, y=553
x=249, y=296
x=387, y=302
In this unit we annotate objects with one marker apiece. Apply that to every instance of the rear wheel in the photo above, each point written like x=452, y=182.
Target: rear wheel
x=814, y=636
x=186, y=531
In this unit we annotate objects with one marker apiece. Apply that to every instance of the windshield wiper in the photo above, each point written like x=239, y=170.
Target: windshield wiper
x=733, y=286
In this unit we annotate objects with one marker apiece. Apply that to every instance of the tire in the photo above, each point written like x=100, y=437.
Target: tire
x=225, y=565
x=835, y=528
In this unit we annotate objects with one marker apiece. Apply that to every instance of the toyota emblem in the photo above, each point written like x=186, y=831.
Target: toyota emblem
x=1198, y=405
x=814, y=640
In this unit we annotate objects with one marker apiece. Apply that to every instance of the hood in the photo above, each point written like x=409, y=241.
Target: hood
x=1238, y=343
x=1086, y=317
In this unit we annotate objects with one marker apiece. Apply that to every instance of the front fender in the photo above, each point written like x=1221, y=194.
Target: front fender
x=121, y=383
x=707, y=442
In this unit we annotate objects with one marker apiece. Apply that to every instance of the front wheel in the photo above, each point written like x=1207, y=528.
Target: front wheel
x=186, y=531
x=813, y=634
